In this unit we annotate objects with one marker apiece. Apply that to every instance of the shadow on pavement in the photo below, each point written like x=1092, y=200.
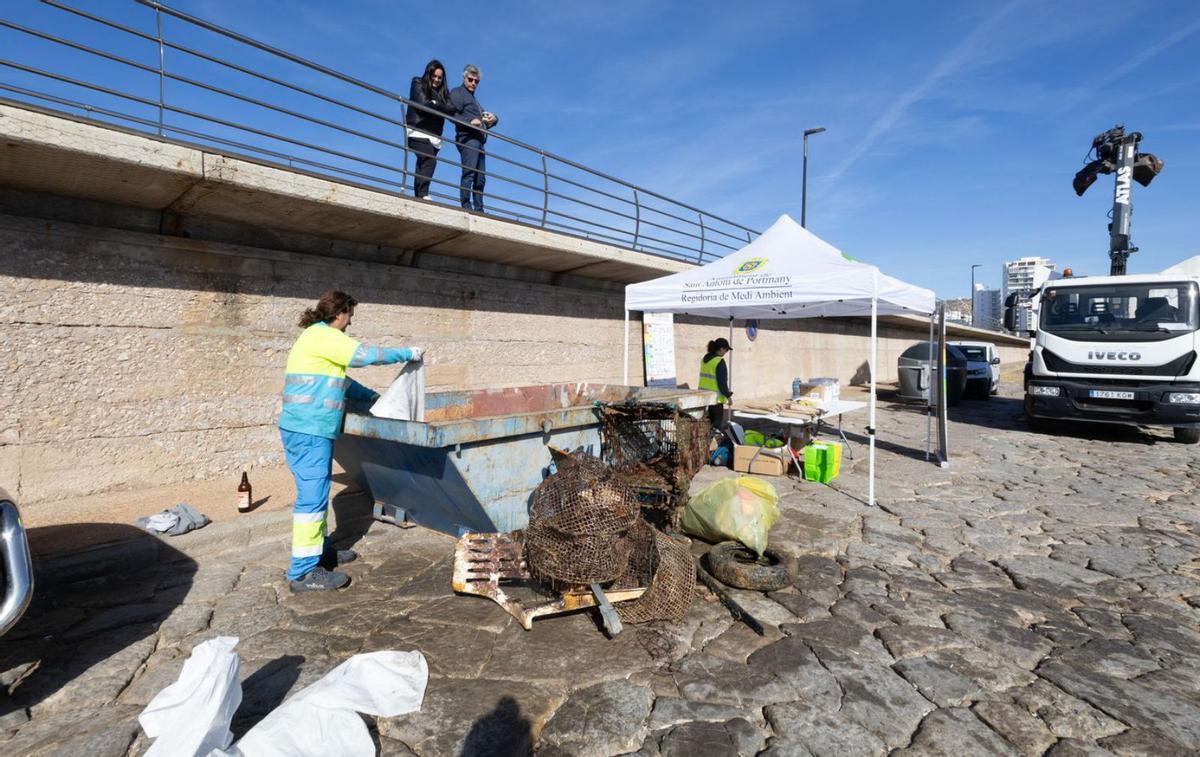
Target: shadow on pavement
x=259, y=503
x=353, y=513
x=862, y=442
x=503, y=731
x=87, y=607
x=1008, y=414
x=265, y=690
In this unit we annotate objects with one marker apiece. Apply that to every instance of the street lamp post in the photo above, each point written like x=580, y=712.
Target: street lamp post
x=973, y=267
x=804, y=180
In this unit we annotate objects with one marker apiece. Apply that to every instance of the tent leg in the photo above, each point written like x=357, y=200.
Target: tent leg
x=929, y=397
x=873, y=366
x=626, y=379
x=729, y=356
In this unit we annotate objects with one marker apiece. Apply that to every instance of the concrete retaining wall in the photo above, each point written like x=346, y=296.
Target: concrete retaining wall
x=135, y=359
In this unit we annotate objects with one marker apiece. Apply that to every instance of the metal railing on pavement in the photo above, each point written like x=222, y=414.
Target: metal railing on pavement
x=196, y=82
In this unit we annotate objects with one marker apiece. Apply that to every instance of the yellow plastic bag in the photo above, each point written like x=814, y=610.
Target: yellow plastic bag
x=742, y=508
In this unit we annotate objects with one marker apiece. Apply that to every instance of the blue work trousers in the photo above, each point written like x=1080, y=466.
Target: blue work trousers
x=310, y=458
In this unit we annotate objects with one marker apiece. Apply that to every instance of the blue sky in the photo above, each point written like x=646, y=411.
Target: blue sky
x=954, y=128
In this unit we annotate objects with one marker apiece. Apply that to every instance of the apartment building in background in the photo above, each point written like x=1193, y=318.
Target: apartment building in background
x=1023, y=277
x=988, y=308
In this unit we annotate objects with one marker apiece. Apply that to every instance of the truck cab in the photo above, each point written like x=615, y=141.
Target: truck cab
x=1117, y=349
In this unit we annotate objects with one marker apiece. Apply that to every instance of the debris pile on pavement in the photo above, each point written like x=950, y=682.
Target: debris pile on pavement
x=586, y=546
x=578, y=525
x=667, y=565
x=584, y=529
x=658, y=449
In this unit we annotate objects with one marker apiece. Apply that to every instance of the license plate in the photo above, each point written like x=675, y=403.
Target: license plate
x=1106, y=394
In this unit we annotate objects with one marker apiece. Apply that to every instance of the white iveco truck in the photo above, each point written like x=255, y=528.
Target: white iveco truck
x=1117, y=348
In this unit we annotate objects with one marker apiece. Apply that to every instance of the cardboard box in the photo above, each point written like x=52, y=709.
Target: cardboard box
x=830, y=390
x=813, y=392
x=766, y=462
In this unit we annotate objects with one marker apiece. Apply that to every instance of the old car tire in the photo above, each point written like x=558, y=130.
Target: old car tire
x=1037, y=425
x=1187, y=435
x=735, y=565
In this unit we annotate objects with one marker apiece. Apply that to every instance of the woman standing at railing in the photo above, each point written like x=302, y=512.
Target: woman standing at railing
x=425, y=127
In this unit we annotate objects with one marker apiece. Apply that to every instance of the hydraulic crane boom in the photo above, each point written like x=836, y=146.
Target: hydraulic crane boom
x=1116, y=152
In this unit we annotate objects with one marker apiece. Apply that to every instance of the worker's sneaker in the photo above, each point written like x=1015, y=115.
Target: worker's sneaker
x=331, y=558
x=319, y=579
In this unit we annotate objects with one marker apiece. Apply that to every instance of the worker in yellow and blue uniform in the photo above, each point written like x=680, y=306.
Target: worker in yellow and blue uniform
x=315, y=390
x=714, y=377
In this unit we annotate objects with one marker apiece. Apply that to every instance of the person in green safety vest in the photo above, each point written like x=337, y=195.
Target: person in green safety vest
x=714, y=377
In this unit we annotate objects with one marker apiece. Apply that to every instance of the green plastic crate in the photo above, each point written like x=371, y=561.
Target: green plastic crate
x=822, y=461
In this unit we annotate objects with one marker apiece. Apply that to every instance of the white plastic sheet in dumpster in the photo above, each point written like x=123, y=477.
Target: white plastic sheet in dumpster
x=322, y=719
x=192, y=715
x=404, y=400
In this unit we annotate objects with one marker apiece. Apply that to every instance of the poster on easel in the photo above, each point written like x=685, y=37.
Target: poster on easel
x=942, y=414
x=658, y=340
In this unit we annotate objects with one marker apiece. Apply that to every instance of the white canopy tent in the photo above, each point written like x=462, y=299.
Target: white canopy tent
x=1189, y=267
x=787, y=272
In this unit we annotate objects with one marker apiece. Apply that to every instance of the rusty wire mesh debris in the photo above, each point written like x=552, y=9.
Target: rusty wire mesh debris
x=493, y=566
x=657, y=449
x=578, y=523
x=666, y=567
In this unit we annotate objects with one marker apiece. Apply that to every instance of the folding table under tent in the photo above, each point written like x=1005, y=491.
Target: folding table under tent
x=787, y=272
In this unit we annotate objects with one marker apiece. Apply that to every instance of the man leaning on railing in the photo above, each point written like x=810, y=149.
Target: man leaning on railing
x=470, y=140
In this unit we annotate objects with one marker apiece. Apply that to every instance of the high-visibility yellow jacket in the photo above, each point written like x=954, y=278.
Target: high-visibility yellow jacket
x=708, y=378
x=315, y=386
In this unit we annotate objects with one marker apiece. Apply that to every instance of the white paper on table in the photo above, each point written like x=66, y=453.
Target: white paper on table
x=404, y=400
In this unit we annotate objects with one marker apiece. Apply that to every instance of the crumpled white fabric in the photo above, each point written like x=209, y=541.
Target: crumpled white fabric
x=322, y=719
x=163, y=521
x=404, y=400
x=192, y=715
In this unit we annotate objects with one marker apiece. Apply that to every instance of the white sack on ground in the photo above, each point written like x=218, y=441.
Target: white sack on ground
x=404, y=400
x=322, y=719
x=191, y=716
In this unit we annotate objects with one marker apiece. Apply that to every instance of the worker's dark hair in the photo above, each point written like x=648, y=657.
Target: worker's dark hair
x=717, y=344
x=427, y=81
x=332, y=304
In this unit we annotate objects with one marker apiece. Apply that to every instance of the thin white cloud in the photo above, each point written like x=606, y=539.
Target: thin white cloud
x=1116, y=74
x=1154, y=50
x=965, y=52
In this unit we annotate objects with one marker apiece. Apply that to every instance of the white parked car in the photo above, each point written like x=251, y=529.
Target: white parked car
x=983, y=368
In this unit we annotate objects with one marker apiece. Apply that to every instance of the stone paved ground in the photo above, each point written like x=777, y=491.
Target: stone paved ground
x=1041, y=596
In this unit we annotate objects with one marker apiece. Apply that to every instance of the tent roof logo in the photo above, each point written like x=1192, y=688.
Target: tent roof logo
x=749, y=266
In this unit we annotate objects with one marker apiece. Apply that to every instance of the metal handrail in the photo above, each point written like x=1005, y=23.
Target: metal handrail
x=597, y=205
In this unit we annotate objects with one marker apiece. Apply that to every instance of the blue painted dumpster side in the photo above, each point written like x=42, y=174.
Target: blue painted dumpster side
x=475, y=464
x=480, y=487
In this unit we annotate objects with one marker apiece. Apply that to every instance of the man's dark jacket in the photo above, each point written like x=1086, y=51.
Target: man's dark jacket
x=466, y=108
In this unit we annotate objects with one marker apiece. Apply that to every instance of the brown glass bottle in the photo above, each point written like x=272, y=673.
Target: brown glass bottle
x=243, y=498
